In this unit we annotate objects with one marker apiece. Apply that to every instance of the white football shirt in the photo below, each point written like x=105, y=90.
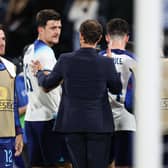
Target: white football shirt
x=124, y=63
x=42, y=106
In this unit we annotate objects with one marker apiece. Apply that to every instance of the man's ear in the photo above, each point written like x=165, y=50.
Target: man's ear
x=126, y=38
x=107, y=37
x=81, y=38
x=40, y=29
x=99, y=39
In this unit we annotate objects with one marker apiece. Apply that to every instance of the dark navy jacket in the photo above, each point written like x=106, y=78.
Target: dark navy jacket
x=86, y=79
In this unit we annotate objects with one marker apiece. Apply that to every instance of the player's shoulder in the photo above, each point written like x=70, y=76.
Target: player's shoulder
x=66, y=55
x=130, y=54
x=123, y=53
x=28, y=52
x=40, y=46
x=43, y=51
x=103, y=55
x=11, y=68
x=5, y=61
x=104, y=60
x=28, y=48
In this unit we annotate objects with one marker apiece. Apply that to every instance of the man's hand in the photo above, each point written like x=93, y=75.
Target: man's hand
x=36, y=66
x=18, y=144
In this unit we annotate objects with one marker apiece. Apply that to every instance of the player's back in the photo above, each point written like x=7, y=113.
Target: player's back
x=124, y=62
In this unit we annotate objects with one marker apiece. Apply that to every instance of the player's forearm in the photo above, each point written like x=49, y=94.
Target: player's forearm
x=22, y=110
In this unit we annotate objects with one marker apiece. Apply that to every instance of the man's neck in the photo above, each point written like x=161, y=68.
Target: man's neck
x=50, y=45
x=117, y=44
x=85, y=45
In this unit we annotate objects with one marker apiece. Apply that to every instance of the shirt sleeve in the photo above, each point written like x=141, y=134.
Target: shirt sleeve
x=46, y=57
x=16, y=115
x=21, y=94
x=53, y=79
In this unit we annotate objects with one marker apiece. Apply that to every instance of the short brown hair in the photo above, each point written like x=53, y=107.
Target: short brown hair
x=45, y=15
x=91, y=30
x=117, y=26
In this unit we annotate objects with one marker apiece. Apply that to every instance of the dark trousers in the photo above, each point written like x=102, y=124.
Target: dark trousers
x=165, y=151
x=89, y=150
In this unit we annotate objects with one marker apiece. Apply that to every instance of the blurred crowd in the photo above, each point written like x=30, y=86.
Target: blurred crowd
x=19, y=17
